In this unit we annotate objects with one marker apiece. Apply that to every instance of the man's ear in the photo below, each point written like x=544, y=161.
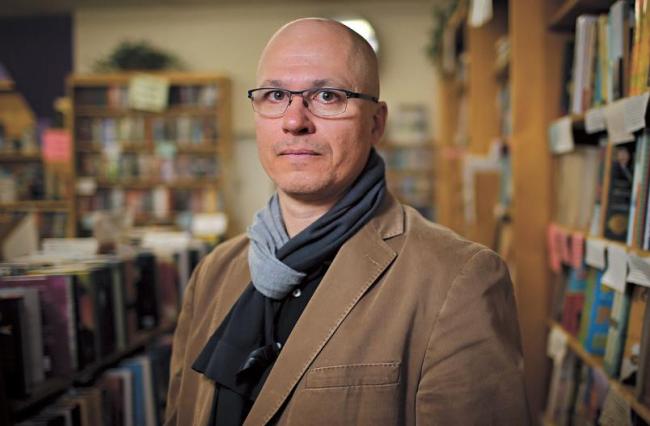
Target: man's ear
x=379, y=122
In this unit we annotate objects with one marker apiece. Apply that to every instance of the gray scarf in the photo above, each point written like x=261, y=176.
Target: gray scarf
x=271, y=277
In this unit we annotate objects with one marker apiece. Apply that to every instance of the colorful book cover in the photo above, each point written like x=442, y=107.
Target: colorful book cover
x=574, y=298
x=620, y=192
x=595, y=334
x=617, y=331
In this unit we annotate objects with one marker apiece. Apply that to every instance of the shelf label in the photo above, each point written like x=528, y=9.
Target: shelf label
x=209, y=224
x=595, y=253
x=615, y=119
x=595, y=121
x=560, y=136
x=74, y=246
x=616, y=274
x=635, y=112
x=86, y=186
x=556, y=345
x=639, y=270
x=148, y=93
x=57, y=146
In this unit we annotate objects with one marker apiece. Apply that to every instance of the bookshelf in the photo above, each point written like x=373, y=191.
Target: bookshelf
x=47, y=391
x=625, y=392
x=534, y=78
x=161, y=166
x=618, y=209
x=28, y=184
x=410, y=173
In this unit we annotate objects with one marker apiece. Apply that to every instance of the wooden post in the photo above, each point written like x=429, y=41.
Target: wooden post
x=536, y=57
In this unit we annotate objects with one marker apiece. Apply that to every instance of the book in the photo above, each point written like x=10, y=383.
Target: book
x=14, y=350
x=642, y=390
x=617, y=331
x=632, y=349
x=583, y=60
x=34, y=364
x=595, y=318
x=574, y=299
x=619, y=195
x=59, y=318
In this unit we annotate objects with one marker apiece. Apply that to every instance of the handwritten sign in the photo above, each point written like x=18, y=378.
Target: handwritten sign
x=148, y=93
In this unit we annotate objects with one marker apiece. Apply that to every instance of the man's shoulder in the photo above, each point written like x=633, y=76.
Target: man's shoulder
x=436, y=244
x=435, y=236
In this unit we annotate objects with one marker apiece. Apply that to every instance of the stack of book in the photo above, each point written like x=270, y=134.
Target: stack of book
x=610, y=56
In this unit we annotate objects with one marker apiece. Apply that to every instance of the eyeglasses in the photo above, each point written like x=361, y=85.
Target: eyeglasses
x=323, y=101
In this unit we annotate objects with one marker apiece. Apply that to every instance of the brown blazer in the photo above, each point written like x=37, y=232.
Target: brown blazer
x=410, y=325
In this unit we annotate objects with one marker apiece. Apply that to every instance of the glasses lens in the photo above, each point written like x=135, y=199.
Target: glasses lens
x=271, y=102
x=327, y=102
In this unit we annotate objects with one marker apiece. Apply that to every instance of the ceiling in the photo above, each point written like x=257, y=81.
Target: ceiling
x=45, y=7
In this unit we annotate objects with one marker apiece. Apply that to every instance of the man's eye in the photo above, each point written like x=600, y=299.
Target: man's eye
x=275, y=95
x=327, y=96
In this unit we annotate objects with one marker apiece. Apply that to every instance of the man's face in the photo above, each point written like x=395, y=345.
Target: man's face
x=311, y=158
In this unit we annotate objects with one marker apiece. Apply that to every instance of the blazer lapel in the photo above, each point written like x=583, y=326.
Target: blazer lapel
x=356, y=267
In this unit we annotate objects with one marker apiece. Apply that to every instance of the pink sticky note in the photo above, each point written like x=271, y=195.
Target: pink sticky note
x=577, y=249
x=554, y=259
x=565, y=246
x=56, y=146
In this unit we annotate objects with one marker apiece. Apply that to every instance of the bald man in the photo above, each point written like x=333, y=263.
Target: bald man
x=341, y=306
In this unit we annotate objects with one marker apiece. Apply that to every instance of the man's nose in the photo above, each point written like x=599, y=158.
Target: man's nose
x=297, y=119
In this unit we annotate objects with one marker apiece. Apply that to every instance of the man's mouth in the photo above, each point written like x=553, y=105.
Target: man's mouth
x=298, y=151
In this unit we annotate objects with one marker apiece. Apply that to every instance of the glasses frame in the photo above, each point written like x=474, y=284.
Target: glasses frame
x=348, y=95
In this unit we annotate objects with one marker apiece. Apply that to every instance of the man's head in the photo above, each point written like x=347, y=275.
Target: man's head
x=311, y=157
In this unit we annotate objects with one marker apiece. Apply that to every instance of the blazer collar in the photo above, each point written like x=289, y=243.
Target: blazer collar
x=359, y=263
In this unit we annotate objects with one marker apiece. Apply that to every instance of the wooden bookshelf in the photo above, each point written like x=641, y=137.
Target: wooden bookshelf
x=596, y=363
x=564, y=19
x=47, y=391
x=19, y=157
x=37, y=205
x=196, y=122
x=410, y=173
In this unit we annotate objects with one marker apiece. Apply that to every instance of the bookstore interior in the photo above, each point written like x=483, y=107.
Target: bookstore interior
x=127, y=152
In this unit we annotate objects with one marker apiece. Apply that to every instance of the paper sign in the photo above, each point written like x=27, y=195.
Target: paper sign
x=615, y=118
x=595, y=253
x=554, y=258
x=209, y=224
x=78, y=246
x=57, y=146
x=480, y=12
x=166, y=242
x=635, y=112
x=616, y=274
x=86, y=186
x=560, y=135
x=595, y=121
x=556, y=344
x=577, y=249
x=148, y=93
x=639, y=270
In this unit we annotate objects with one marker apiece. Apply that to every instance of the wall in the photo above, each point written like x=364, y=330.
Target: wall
x=37, y=52
x=229, y=39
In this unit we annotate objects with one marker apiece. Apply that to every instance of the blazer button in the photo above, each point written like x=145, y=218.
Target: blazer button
x=296, y=293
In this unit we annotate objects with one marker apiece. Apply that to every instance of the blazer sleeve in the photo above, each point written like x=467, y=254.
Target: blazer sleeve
x=179, y=345
x=473, y=368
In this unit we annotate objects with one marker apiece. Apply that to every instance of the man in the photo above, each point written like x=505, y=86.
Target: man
x=341, y=306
